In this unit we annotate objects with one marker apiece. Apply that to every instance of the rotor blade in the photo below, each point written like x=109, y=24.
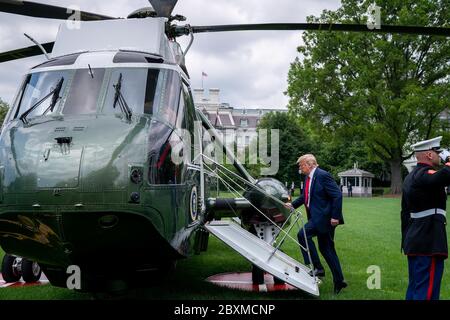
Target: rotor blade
x=163, y=8
x=435, y=31
x=25, y=52
x=39, y=10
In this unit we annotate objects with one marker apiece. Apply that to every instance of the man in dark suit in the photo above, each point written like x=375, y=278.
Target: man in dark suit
x=323, y=202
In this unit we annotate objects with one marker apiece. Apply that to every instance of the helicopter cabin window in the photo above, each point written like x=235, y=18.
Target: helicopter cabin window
x=84, y=91
x=167, y=96
x=41, y=93
x=181, y=118
x=189, y=109
x=162, y=145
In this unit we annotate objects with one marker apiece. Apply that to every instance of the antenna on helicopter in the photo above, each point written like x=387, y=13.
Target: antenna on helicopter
x=39, y=45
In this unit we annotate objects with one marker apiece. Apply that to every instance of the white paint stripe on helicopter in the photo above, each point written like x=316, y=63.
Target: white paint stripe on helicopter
x=113, y=66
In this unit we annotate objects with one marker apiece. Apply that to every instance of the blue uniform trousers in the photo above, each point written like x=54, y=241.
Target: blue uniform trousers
x=425, y=275
x=326, y=247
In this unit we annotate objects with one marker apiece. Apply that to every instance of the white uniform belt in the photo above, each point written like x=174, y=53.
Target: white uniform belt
x=426, y=213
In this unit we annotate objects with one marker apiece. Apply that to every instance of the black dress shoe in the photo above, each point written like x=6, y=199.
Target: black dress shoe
x=338, y=286
x=319, y=273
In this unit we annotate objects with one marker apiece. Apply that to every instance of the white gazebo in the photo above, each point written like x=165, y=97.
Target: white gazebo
x=360, y=180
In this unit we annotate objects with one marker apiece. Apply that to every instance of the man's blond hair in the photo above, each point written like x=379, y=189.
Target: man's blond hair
x=309, y=159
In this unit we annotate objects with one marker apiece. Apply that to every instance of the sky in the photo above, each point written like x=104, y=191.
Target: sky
x=250, y=68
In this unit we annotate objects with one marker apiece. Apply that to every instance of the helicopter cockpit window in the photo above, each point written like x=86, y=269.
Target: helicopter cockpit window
x=84, y=91
x=146, y=91
x=63, y=61
x=136, y=57
x=39, y=93
x=137, y=86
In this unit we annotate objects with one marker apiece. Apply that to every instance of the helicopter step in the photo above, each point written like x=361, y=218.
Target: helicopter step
x=261, y=254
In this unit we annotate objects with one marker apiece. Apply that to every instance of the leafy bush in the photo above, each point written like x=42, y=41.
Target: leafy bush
x=377, y=192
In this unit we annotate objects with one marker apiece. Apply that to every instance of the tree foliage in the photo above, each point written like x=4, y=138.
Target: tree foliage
x=337, y=154
x=3, y=110
x=294, y=141
x=387, y=89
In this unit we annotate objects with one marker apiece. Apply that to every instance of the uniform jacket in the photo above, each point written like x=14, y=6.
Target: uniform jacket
x=424, y=189
x=325, y=201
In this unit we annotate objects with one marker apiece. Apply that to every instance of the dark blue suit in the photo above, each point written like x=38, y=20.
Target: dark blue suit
x=325, y=203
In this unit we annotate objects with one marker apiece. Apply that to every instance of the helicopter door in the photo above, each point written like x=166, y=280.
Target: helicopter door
x=262, y=254
x=186, y=122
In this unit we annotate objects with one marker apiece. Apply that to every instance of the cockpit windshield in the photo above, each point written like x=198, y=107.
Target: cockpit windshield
x=94, y=91
x=37, y=87
x=148, y=91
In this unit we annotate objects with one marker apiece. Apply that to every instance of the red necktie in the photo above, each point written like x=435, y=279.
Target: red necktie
x=307, y=191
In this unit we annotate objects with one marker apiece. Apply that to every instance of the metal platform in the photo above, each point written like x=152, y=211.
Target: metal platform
x=21, y=283
x=261, y=254
x=243, y=281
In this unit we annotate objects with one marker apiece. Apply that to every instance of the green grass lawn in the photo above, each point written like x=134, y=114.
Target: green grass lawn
x=371, y=236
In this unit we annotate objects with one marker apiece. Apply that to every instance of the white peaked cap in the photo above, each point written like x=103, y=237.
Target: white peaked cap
x=432, y=144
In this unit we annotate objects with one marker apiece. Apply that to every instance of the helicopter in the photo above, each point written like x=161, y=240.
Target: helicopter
x=86, y=153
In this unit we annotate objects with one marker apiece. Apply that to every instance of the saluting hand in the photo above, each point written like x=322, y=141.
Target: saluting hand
x=334, y=222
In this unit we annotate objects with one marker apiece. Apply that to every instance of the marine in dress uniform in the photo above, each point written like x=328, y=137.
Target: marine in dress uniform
x=423, y=217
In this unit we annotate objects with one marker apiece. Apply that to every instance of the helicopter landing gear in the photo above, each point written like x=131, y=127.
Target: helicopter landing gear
x=267, y=232
x=31, y=271
x=13, y=268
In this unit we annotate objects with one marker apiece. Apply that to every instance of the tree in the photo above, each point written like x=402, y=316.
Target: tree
x=3, y=110
x=337, y=154
x=294, y=141
x=388, y=89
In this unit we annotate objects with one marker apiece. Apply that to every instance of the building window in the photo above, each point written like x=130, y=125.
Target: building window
x=244, y=122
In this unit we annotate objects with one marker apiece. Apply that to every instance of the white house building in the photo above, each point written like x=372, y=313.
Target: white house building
x=236, y=124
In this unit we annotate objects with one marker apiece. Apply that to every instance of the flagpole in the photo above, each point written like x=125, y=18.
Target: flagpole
x=203, y=77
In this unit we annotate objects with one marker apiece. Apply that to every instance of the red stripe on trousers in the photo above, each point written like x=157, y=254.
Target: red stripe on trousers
x=430, y=286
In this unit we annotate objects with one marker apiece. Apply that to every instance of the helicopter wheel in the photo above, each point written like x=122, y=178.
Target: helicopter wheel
x=11, y=268
x=31, y=271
